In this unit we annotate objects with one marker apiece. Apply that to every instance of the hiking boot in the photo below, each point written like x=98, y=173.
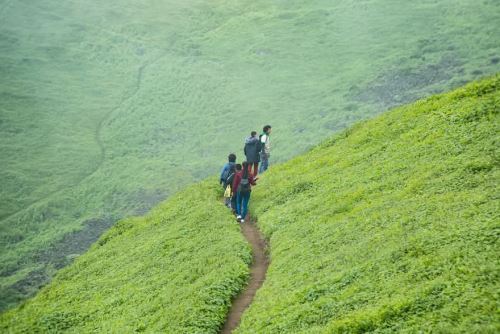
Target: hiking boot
x=238, y=217
x=242, y=221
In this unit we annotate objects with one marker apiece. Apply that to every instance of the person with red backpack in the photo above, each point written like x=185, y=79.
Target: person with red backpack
x=229, y=182
x=242, y=187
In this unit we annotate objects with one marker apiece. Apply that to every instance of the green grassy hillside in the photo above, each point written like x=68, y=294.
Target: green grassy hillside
x=172, y=271
x=108, y=107
x=391, y=226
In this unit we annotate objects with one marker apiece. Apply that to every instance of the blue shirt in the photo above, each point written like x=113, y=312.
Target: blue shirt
x=226, y=167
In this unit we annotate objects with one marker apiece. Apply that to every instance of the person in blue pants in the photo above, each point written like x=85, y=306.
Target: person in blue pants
x=243, y=185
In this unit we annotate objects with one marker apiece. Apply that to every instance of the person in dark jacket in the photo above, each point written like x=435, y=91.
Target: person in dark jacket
x=252, y=152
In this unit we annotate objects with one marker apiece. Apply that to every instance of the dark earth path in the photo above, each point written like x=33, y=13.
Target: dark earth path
x=258, y=270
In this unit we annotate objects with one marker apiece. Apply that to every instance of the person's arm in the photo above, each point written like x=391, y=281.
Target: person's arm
x=222, y=172
x=236, y=182
x=229, y=181
x=252, y=180
x=263, y=141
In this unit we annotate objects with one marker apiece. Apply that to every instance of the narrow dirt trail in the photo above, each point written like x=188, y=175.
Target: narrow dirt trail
x=258, y=270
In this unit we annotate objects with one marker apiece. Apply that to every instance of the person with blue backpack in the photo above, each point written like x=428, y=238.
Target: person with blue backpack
x=226, y=170
x=242, y=186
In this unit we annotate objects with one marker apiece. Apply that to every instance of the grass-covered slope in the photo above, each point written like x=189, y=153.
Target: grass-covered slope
x=172, y=271
x=108, y=107
x=391, y=226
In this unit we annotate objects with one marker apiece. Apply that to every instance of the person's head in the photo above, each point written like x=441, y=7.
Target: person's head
x=238, y=167
x=231, y=157
x=267, y=129
x=253, y=133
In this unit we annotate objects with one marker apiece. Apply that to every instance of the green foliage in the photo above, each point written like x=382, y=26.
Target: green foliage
x=172, y=271
x=388, y=227
x=108, y=107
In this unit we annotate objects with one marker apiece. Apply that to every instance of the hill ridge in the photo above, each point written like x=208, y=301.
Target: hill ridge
x=308, y=68
x=389, y=226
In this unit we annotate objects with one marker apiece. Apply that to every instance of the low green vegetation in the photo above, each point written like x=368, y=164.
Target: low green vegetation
x=391, y=226
x=172, y=271
x=108, y=107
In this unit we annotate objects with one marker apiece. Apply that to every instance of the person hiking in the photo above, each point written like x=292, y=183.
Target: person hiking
x=236, y=183
x=265, y=153
x=252, y=152
x=228, y=186
x=226, y=169
x=230, y=181
x=242, y=183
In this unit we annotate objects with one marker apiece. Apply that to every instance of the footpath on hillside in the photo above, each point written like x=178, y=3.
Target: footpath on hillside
x=258, y=270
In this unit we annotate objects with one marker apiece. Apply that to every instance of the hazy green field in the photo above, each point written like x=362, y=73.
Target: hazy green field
x=390, y=227
x=108, y=107
x=172, y=271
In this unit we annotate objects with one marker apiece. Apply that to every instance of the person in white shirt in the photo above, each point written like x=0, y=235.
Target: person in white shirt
x=265, y=153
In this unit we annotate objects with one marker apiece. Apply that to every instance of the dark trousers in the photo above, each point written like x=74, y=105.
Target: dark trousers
x=255, y=168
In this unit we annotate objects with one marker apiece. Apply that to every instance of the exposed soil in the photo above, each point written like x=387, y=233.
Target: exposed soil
x=74, y=244
x=400, y=86
x=56, y=256
x=258, y=270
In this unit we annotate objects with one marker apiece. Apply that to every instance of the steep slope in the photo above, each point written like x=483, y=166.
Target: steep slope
x=391, y=226
x=172, y=271
x=108, y=107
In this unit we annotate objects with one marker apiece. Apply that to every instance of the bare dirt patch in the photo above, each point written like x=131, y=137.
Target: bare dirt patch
x=55, y=257
x=401, y=86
